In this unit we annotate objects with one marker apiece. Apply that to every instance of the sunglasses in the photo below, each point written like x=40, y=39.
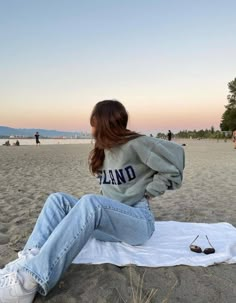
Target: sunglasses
x=197, y=249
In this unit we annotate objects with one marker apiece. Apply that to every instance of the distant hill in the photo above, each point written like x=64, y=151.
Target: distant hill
x=29, y=132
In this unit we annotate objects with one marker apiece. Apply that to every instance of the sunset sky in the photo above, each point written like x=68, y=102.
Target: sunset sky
x=168, y=62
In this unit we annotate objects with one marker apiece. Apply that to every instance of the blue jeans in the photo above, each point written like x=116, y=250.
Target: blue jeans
x=66, y=223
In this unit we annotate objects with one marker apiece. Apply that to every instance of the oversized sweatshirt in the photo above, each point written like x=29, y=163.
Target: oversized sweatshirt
x=140, y=167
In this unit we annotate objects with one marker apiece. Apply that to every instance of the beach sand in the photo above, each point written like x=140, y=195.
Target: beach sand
x=28, y=174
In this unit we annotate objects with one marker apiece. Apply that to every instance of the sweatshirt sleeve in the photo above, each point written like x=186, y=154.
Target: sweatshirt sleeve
x=167, y=160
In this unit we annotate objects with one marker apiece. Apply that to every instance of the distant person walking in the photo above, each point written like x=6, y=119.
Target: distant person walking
x=234, y=138
x=37, y=138
x=169, y=135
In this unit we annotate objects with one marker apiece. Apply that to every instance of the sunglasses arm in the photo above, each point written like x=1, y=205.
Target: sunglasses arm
x=194, y=240
x=209, y=242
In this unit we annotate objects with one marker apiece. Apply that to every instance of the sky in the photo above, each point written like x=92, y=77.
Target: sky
x=168, y=61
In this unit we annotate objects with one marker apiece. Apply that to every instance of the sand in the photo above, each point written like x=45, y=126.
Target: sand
x=28, y=174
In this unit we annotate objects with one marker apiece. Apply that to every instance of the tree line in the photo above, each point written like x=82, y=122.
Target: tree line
x=199, y=134
x=227, y=125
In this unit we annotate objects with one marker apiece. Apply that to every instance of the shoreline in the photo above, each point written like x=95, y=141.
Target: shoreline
x=66, y=141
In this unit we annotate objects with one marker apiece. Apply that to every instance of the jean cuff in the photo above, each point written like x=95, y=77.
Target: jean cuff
x=42, y=286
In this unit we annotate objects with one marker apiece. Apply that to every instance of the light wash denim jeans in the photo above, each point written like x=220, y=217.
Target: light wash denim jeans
x=66, y=223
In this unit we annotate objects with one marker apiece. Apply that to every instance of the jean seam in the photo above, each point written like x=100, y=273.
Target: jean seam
x=65, y=249
x=148, y=216
x=42, y=287
x=125, y=212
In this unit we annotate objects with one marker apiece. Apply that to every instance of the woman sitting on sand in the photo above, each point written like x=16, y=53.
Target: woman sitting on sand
x=131, y=168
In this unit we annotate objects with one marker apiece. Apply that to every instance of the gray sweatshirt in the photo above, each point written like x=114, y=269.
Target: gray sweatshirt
x=140, y=167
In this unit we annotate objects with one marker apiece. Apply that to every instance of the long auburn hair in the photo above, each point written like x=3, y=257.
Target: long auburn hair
x=109, y=118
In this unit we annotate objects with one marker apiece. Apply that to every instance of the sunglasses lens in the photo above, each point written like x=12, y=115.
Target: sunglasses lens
x=195, y=248
x=208, y=251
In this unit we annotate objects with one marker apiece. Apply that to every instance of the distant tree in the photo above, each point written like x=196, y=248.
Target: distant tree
x=201, y=133
x=160, y=135
x=232, y=96
x=228, y=120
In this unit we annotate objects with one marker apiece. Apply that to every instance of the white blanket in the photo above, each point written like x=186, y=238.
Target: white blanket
x=168, y=246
